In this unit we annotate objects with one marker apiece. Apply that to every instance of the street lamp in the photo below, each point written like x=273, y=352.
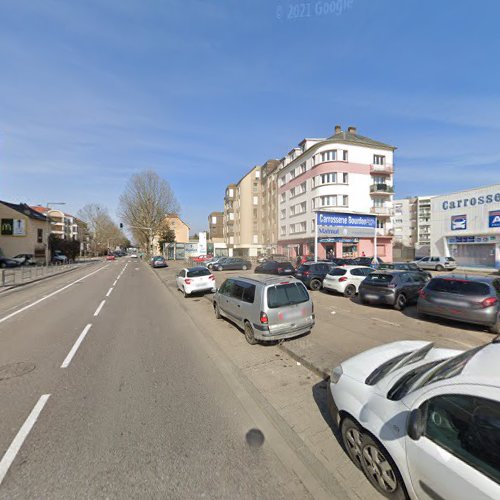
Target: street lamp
x=48, y=227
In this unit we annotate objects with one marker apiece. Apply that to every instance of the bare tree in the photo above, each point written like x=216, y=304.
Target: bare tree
x=146, y=201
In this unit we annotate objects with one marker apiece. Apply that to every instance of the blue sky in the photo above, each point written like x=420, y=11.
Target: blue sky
x=202, y=90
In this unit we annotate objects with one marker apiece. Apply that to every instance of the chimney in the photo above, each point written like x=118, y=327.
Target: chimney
x=338, y=129
x=352, y=130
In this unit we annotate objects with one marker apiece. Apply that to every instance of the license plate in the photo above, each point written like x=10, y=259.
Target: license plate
x=370, y=296
x=298, y=274
x=288, y=270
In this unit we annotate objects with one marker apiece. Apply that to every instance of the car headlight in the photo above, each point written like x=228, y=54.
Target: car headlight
x=336, y=374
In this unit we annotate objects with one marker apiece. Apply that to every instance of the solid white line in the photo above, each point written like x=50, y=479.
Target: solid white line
x=15, y=313
x=18, y=441
x=109, y=292
x=75, y=347
x=387, y=322
x=98, y=310
x=115, y=282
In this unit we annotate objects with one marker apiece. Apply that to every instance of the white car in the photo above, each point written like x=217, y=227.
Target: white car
x=421, y=421
x=436, y=263
x=346, y=279
x=195, y=280
x=133, y=256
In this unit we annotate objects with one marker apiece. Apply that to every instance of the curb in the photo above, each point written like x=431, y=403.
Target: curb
x=320, y=372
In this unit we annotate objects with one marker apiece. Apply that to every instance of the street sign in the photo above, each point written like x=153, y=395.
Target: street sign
x=494, y=218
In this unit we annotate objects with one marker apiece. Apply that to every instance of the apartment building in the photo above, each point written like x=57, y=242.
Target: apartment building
x=216, y=227
x=404, y=222
x=346, y=173
x=270, y=205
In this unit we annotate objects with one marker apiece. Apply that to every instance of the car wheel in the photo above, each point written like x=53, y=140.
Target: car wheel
x=439, y=267
x=244, y=268
x=3, y=265
x=186, y=295
x=352, y=440
x=249, y=334
x=401, y=302
x=496, y=327
x=217, y=311
x=380, y=470
x=315, y=285
x=350, y=291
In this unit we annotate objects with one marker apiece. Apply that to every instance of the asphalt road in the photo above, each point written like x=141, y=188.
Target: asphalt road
x=137, y=405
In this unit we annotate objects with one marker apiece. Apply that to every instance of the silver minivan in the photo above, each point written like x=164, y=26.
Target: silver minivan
x=265, y=307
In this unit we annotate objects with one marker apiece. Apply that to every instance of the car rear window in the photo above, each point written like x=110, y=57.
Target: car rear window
x=286, y=294
x=461, y=287
x=196, y=273
x=337, y=271
x=378, y=278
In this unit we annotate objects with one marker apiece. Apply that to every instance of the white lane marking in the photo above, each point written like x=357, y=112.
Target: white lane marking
x=109, y=292
x=5, y=318
x=18, y=441
x=98, y=310
x=115, y=282
x=387, y=322
x=75, y=347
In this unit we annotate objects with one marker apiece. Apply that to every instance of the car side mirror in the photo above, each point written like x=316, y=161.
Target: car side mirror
x=416, y=424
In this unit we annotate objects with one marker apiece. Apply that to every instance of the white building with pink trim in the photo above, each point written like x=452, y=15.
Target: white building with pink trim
x=346, y=173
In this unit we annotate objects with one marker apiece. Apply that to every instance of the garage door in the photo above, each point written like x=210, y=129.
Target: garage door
x=474, y=255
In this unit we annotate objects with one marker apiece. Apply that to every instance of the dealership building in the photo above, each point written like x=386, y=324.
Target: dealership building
x=466, y=226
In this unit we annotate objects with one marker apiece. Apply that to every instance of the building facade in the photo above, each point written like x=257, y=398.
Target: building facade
x=466, y=226
x=216, y=227
x=269, y=228
x=179, y=227
x=346, y=173
x=404, y=222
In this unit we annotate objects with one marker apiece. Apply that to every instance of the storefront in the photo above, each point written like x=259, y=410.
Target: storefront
x=466, y=226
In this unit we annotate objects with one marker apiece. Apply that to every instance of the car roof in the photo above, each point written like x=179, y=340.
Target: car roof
x=196, y=268
x=468, y=277
x=392, y=271
x=266, y=279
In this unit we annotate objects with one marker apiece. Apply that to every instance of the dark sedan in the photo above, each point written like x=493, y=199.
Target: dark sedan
x=393, y=288
x=158, y=261
x=6, y=262
x=402, y=266
x=312, y=274
x=232, y=263
x=274, y=267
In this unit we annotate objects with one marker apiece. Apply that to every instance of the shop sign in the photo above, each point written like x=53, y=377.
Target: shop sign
x=458, y=222
x=494, y=218
x=471, y=202
x=13, y=227
x=338, y=240
x=335, y=224
x=471, y=239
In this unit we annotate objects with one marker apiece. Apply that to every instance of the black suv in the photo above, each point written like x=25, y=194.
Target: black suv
x=274, y=267
x=312, y=274
x=232, y=263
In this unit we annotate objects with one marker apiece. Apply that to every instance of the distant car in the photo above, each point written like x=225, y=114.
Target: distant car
x=195, y=280
x=6, y=262
x=401, y=266
x=265, y=307
x=346, y=279
x=471, y=299
x=133, y=256
x=232, y=263
x=393, y=288
x=437, y=263
x=312, y=274
x=367, y=261
x=202, y=258
x=159, y=261
x=110, y=257
x=59, y=258
x=25, y=259
x=274, y=267
x=421, y=422
x=342, y=262
x=215, y=260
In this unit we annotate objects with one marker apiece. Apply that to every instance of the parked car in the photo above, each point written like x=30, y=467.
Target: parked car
x=401, y=266
x=471, y=299
x=7, y=262
x=337, y=261
x=110, y=257
x=25, y=259
x=346, y=279
x=266, y=308
x=422, y=422
x=232, y=263
x=312, y=274
x=133, y=255
x=215, y=260
x=195, y=280
x=274, y=267
x=202, y=258
x=159, y=261
x=437, y=263
x=367, y=261
x=393, y=288
x=59, y=258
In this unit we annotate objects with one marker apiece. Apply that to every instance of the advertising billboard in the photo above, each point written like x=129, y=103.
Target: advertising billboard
x=458, y=222
x=494, y=218
x=337, y=225
x=13, y=227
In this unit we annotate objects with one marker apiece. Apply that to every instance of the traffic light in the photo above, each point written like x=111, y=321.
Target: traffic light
x=121, y=225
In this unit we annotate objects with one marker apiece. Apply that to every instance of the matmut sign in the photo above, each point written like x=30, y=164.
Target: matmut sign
x=342, y=224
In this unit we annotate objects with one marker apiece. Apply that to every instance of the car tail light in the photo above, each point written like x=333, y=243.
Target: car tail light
x=263, y=318
x=280, y=269
x=490, y=301
x=187, y=281
x=343, y=279
x=306, y=273
x=211, y=277
x=421, y=294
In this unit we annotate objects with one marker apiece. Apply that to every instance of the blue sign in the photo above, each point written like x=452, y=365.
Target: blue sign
x=458, y=222
x=494, y=218
x=338, y=224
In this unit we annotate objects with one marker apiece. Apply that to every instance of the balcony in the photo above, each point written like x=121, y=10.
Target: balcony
x=381, y=189
x=384, y=211
x=381, y=169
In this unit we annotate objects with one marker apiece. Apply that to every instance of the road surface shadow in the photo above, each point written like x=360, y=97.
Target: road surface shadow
x=319, y=394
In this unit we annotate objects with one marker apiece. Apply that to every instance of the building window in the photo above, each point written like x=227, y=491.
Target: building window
x=257, y=174
x=303, y=207
x=292, y=210
x=303, y=227
x=283, y=231
x=292, y=192
x=302, y=187
x=345, y=200
x=283, y=197
x=313, y=224
x=345, y=177
x=214, y=220
x=39, y=235
x=313, y=159
x=283, y=214
x=302, y=168
x=255, y=238
x=378, y=160
x=231, y=193
x=255, y=200
x=345, y=155
x=282, y=180
x=329, y=201
x=329, y=155
x=231, y=215
x=329, y=178
x=255, y=187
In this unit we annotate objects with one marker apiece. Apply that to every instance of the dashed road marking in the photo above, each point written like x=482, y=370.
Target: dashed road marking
x=75, y=347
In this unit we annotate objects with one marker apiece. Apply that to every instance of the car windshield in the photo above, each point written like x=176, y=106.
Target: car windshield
x=198, y=272
x=286, y=294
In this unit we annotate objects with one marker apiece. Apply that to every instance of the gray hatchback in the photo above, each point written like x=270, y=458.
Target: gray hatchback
x=471, y=299
x=266, y=308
